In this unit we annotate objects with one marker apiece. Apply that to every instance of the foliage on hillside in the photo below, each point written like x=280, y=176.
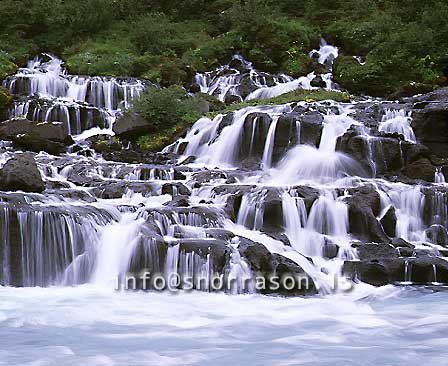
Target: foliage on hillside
x=167, y=41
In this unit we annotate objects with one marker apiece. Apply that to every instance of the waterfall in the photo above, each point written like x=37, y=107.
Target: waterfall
x=269, y=147
x=224, y=82
x=409, y=203
x=272, y=188
x=398, y=121
x=439, y=177
x=80, y=102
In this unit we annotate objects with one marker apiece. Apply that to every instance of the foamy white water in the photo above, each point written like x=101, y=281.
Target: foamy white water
x=92, y=327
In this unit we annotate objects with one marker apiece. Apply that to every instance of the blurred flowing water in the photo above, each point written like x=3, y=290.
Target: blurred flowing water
x=91, y=326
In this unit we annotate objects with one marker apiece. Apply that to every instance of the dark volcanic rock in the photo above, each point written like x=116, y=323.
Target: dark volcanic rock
x=273, y=212
x=380, y=272
x=178, y=201
x=116, y=189
x=36, y=144
x=54, y=131
x=430, y=124
x=309, y=195
x=437, y=234
x=373, y=251
x=131, y=125
x=421, y=169
x=311, y=128
x=330, y=250
x=389, y=222
x=401, y=243
x=175, y=189
x=267, y=264
x=364, y=206
x=246, y=86
x=21, y=173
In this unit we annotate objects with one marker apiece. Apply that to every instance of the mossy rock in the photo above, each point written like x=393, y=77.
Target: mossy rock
x=5, y=102
x=297, y=64
x=7, y=68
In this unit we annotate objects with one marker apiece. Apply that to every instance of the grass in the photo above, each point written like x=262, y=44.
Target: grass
x=158, y=140
x=297, y=95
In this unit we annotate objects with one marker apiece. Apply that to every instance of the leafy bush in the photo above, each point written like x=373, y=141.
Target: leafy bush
x=7, y=67
x=167, y=107
x=5, y=102
x=167, y=41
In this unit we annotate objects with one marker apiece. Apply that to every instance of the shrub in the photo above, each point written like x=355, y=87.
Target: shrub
x=167, y=107
x=7, y=67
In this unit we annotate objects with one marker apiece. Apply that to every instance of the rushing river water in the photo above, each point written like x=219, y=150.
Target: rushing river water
x=91, y=326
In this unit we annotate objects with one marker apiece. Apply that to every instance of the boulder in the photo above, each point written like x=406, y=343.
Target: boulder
x=175, y=188
x=272, y=211
x=376, y=273
x=318, y=82
x=246, y=86
x=355, y=144
x=116, y=189
x=389, y=222
x=420, y=271
x=401, y=243
x=437, y=234
x=364, y=205
x=311, y=128
x=21, y=173
x=255, y=130
x=178, y=201
x=54, y=131
x=430, y=124
x=375, y=251
x=421, y=169
x=32, y=142
x=330, y=249
x=131, y=125
x=308, y=194
x=386, y=153
x=267, y=264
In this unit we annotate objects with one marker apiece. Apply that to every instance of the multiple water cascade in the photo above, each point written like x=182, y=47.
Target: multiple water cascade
x=293, y=188
x=47, y=93
x=239, y=80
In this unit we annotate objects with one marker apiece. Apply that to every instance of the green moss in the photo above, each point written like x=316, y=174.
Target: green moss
x=5, y=102
x=167, y=41
x=297, y=95
x=158, y=140
x=7, y=67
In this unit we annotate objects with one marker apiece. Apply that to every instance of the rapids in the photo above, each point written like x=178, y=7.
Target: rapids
x=93, y=326
x=325, y=191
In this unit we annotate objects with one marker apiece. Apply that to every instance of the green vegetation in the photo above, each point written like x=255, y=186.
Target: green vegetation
x=5, y=101
x=170, y=111
x=158, y=140
x=167, y=41
x=166, y=107
x=297, y=95
x=7, y=67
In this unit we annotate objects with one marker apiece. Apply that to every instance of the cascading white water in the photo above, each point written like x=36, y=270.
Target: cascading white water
x=305, y=163
x=398, y=121
x=226, y=80
x=269, y=146
x=439, y=177
x=409, y=203
x=80, y=102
